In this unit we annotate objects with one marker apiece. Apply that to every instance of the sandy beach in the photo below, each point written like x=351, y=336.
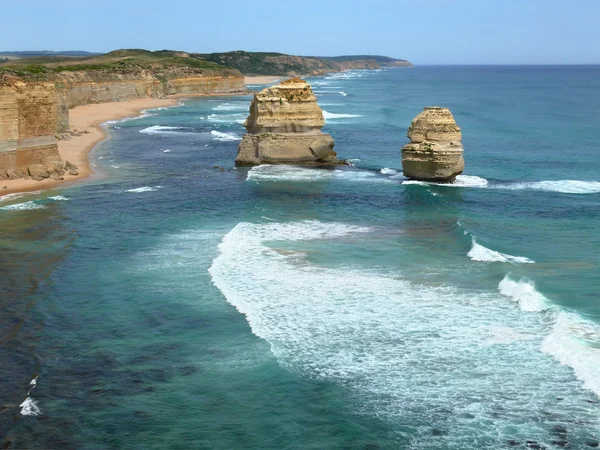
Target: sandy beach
x=86, y=119
x=75, y=150
x=261, y=80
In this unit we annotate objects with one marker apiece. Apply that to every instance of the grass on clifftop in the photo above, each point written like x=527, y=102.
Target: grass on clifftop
x=119, y=61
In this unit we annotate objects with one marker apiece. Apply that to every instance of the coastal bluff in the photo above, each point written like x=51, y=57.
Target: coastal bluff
x=284, y=127
x=435, y=151
x=28, y=145
x=35, y=99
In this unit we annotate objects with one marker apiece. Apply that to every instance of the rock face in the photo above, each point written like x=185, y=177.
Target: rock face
x=284, y=127
x=435, y=151
x=27, y=127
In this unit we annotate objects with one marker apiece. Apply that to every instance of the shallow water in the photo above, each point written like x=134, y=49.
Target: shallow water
x=184, y=303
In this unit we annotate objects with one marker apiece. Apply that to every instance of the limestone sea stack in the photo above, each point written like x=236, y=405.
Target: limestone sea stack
x=435, y=151
x=284, y=127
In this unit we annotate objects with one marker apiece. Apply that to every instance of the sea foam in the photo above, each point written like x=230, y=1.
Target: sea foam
x=384, y=338
x=575, y=342
x=460, y=181
x=161, y=129
x=267, y=172
x=480, y=253
x=562, y=186
x=144, y=189
x=330, y=116
x=26, y=206
x=224, y=137
x=524, y=293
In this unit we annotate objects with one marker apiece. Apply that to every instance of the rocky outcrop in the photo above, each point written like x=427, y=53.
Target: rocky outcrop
x=27, y=128
x=435, y=151
x=284, y=127
x=33, y=113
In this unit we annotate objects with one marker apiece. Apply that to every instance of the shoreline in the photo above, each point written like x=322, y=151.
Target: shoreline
x=87, y=119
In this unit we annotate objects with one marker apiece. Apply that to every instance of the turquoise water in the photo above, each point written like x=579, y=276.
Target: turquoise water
x=180, y=302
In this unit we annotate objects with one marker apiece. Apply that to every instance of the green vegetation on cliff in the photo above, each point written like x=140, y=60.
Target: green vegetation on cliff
x=257, y=63
x=120, y=62
x=165, y=62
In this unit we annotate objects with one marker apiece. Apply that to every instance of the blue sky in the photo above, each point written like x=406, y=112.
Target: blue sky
x=422, y=31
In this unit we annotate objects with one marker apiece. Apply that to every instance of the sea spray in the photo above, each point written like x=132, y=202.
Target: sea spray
x=524, y=293
x=480, y=253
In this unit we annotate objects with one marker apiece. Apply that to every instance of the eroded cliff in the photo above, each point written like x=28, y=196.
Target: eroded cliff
x=28, y=124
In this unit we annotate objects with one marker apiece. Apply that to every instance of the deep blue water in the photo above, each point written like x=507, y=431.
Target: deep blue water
x=180, y=302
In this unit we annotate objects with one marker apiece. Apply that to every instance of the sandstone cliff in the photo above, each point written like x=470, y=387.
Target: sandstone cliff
x=35, y=99
x=284, y=127
x=257, y=63
x=435, y=151
x=27, y=129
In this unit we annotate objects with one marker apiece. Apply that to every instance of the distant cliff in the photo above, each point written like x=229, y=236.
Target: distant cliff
x=256, y=63
x=36, y=95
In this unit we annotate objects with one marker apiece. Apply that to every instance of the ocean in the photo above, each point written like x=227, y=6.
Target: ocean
x=180, y=302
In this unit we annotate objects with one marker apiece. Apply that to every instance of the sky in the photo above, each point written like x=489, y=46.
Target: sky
x=422, y=31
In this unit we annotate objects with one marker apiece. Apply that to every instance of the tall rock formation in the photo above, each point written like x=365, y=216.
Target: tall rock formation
x=284, y=127
x=27, y=128
x=435, y=151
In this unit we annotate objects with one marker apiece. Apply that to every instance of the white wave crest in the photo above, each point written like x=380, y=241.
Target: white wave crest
x=563, y=186
x=27, y=206
x=144, y=189
x=575, y=342
x=342, y=93
x=226, y=118
x=329, y=116
x=231, y=107
x=388, y=171
x=166, y=150
x=524, y=293
x=460, y=181
x=30, y=407
x=383, y=337
x=225, y=137
x=161, y=129
x=480, y=253
x=267, y=172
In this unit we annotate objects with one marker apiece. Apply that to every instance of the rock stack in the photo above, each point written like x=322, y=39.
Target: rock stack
x=435, y=151
x=284, y=127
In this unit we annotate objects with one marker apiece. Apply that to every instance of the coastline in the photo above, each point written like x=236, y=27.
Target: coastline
x=87, y=120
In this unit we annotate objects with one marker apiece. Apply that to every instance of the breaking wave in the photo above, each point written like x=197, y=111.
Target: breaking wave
x=224, y=137
x=480, y=253
x=328, y=115
x=27, y=206
x=231, y=107
x=267, y=172
x=524, y=293
x=575, y=342
x=563, y=186
x=161, y=129
x=460, y=181
x=388, y=171
x=144, y=189
x=385, y=338
x=226, y=118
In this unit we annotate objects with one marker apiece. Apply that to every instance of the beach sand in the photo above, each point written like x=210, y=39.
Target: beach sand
x=261, y=80
x=75, y=150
